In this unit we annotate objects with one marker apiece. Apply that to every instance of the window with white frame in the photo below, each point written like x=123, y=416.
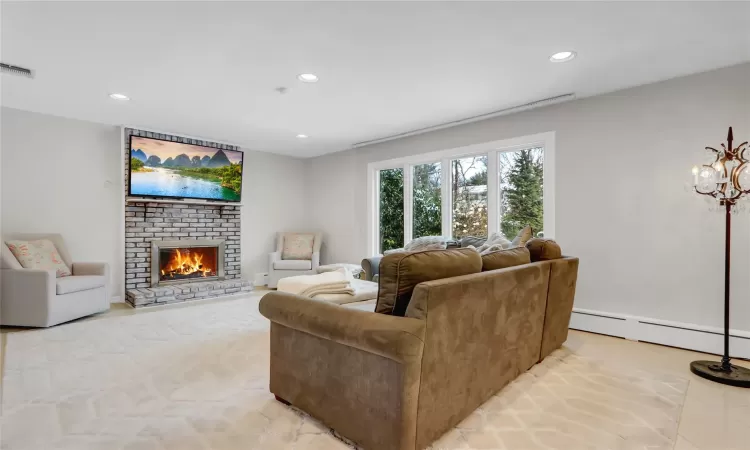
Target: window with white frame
x=499, y=186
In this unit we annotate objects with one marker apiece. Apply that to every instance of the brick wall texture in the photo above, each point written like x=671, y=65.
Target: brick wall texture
x=149, y=221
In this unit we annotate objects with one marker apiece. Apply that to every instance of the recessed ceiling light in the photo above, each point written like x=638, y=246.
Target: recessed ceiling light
x=307, y=77
x=562, y=56
x=119, y=96
x=302, y=136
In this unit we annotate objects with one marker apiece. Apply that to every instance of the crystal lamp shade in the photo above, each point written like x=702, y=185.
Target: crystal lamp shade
x=743, y=177
x=705, y=181
x=727, y=177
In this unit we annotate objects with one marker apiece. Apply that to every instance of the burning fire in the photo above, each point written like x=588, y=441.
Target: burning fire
x=188, y=264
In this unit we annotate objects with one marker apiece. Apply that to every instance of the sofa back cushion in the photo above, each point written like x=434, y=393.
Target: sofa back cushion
x=401, y=272
x=505, y=258
x=542, y=249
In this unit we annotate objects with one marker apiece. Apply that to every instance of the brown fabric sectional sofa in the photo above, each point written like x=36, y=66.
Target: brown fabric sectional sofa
x=391, y=382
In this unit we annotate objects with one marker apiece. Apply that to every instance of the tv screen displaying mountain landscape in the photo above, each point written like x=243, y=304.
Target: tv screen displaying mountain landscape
x=172, y=169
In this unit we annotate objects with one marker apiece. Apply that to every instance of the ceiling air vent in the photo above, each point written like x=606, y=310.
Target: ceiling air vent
x=501, y=112
x=15, y=70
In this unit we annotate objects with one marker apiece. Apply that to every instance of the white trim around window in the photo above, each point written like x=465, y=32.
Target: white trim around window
x=491, y=149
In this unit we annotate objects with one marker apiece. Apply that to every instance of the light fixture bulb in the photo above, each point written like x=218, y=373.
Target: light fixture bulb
x=695, y=170
x=302, y=136
x=116, y=96
x=563, y=56
x=719, y=167
x=307, y=77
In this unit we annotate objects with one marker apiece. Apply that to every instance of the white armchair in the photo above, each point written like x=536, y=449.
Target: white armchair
x=281, y=268
x=36, y=298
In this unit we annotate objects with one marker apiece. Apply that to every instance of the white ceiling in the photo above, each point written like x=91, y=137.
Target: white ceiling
x=210, y=69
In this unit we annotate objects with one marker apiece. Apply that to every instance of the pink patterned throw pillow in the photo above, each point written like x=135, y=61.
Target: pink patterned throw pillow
x=39, y=254
x=298, y=246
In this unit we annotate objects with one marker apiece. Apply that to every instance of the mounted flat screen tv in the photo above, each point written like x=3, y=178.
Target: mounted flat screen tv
x=166, y=169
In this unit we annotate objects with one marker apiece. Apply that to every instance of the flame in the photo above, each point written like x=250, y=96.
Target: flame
x=187, y=264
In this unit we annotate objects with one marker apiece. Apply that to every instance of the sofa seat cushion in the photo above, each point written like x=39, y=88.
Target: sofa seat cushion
x=78, y=283
x=505, y=258
x=401, y=272
x=543, y=249
x=292, y=264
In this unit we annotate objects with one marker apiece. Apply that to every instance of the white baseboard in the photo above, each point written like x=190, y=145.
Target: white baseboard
x=117, y=299
x=675, y=334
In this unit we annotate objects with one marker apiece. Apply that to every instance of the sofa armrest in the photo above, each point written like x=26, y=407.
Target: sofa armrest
x=371, y=267
x=315, y=261
x=397, y=338
x=90, y=268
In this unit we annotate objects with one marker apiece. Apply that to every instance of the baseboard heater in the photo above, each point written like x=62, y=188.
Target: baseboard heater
x=673, y=334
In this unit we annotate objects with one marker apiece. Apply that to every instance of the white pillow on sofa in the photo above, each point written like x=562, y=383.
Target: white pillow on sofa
x=427, y=243
x=422, y=243
x=495, y=239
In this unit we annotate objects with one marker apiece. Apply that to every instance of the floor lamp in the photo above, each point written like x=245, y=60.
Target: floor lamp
x=727, y=180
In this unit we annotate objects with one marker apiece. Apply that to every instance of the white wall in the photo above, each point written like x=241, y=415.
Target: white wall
x=63, y=176
x=647, y=247
x=273, y=195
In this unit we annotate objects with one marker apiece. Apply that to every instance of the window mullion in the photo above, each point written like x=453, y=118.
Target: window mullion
x=374, y=196
x=493, y=193
x=446, y=206
x=408, y=202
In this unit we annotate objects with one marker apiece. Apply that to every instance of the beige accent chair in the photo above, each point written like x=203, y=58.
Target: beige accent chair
x=36, y=298
x=282, y=268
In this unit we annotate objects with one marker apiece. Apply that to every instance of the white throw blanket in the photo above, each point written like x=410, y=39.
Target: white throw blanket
x=334, y=282
x=328, y=288
x=363, y=290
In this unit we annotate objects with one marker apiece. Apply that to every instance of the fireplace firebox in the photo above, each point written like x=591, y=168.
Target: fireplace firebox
x=186, y=260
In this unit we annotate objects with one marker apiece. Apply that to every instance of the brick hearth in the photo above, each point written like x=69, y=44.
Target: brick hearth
x=188, y=291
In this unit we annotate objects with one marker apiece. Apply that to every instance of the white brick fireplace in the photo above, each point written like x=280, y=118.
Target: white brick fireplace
x=151, y=225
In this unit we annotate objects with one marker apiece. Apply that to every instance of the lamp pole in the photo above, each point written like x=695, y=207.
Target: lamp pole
x=726, y=180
